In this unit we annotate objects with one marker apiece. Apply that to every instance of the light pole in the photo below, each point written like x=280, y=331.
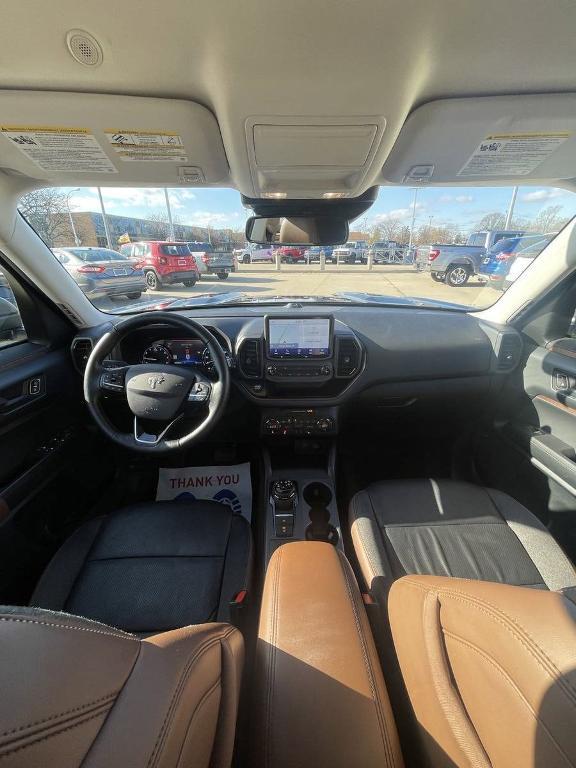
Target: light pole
x=170, y=222
x=105, y=220
x=511, y=208
x=70, y=217
x=416, y=190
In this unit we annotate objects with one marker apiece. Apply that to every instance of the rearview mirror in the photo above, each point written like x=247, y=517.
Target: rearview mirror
x=297, y=230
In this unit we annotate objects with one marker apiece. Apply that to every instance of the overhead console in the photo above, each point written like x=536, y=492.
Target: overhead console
x=308, y=157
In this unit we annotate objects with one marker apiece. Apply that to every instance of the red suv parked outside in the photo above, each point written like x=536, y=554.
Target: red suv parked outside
x=291, y=254
x=163, y=262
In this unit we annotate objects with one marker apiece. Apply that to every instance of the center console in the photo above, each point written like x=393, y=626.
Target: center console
x=301, y=502
x=318, y=685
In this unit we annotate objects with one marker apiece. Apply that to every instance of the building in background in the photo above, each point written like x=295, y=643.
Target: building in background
x=90, y=231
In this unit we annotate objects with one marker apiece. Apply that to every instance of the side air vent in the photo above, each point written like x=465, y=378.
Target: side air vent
x=81, y=350
x=348, y=356
x=509, y=351
x=250, y=358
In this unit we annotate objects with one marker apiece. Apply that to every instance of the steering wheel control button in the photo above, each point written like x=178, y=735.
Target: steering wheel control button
x=113, y=380
x=199, y=393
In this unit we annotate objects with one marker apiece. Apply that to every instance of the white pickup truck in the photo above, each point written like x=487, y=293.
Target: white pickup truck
x=351, y=252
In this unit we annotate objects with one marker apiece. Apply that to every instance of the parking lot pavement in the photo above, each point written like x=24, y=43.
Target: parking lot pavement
x=295, y=280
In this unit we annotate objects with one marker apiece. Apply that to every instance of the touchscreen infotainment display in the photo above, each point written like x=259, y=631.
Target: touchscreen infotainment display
x=304, y=337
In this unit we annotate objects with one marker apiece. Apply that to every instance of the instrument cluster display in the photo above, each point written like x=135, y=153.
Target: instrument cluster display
x=192, y=352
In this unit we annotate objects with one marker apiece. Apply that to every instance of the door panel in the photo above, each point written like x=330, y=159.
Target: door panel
x=52, y=467
x=528, y=446
x=550, y=383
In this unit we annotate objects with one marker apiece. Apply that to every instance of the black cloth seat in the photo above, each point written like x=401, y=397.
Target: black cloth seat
x=151, y=567
x=449, y=528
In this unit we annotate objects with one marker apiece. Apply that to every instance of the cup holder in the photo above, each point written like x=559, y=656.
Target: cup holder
x=318, y=496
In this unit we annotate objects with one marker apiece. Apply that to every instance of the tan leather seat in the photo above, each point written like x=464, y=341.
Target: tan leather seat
x=490, y=670
x=76, y=692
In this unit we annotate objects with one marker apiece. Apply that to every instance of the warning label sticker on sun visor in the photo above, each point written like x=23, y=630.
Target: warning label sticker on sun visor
x=60, y=149
x=512, y=154
x=147, y=146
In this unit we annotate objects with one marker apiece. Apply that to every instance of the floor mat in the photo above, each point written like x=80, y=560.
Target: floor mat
x=230, y=485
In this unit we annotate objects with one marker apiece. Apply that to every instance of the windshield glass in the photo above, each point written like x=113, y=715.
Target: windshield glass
x=452, y=247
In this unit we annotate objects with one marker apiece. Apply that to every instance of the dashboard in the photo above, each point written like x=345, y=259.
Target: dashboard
x=301, y=366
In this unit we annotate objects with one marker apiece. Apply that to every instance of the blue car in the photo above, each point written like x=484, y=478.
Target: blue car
x=100, y=272
x=313, y=254
x=498, y=259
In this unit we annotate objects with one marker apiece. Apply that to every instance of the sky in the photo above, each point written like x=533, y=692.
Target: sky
x=456, y=207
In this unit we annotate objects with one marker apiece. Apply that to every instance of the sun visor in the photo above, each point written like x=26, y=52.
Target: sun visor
x=487, y=140
x=93, y=139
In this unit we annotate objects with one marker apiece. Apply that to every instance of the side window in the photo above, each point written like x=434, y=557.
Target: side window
x=11, y=327
x=139, y=250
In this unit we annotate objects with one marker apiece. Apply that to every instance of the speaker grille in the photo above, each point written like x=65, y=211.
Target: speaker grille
x=84, y=48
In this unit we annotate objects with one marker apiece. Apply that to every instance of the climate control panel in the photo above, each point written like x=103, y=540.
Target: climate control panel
x=299, y=422
x=296, y=371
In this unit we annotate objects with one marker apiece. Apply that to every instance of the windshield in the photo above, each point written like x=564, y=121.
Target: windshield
x=448, y=247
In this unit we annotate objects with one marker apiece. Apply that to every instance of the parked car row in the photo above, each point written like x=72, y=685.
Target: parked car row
x=489, y=255
x=352, y=252
x=142, y=266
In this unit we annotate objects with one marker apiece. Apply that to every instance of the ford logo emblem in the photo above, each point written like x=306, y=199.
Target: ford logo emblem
x=154, y=381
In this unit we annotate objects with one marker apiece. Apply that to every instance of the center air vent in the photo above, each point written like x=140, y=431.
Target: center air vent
x=348, y=356
x=81, y=351
x=509, y=351
x=250, y=358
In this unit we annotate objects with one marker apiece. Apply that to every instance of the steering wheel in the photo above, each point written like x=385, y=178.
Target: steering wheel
x=158, y=393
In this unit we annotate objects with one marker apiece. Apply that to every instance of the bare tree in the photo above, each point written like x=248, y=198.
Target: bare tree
x=390, y=228
x=492, y=220
x=403, y=235
x=548, y=220
x=159, y=228
x=47, y=210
